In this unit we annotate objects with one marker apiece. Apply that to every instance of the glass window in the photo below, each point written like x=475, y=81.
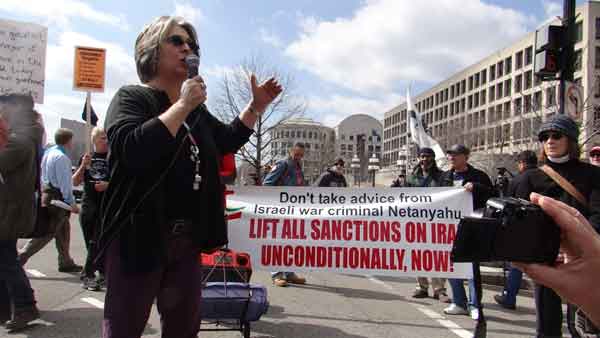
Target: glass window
x=578, y=59
x=597, y=28
x=483, y=76
x=550, y=96
x=528, y=79
x=517, y=106
x=492, y=72
x=528, y=55
x=518, y=83
x=508, y=65
x=519, y=60
x=578, y=31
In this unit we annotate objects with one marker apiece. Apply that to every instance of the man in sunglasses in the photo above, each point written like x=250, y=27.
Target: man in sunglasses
x=334, y=176
x=595, y=156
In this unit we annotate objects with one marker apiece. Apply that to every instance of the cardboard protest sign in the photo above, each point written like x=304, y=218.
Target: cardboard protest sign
x=89, y=69
x=23, y=58
x=400, y=232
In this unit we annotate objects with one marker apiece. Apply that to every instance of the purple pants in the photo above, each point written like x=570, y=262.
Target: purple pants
x=175, y=286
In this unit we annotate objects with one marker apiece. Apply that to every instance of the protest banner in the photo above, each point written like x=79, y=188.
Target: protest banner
x=22, y=58
x=381, y=231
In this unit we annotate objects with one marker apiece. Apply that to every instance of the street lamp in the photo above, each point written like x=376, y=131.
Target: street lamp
x=355, y=165
x=373, y=167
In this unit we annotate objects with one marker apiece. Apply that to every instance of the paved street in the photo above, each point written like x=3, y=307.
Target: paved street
x=329, y=306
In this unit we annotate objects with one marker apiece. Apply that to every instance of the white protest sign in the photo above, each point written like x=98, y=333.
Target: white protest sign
x=399, y=232
x=22, y=58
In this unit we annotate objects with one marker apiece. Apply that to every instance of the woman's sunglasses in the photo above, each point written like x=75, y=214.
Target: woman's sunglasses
x=178, y=41
x=553, y=135
x=594, y=154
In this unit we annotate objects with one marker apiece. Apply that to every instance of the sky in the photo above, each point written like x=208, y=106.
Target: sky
x=346, y=57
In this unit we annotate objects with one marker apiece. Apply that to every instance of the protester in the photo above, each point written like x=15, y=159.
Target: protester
x=427, y=174
x=400, y=181
x=334, y=176
x=577, y=279
x=93, y=171
x=595, y=156
x=477, y=182
x=526, y=160
x=20, y=169
x=287, y=172
x=560, y=152
x=57, y=184
x=164, y=203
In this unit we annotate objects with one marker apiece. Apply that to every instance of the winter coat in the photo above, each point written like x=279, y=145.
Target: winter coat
x=331, y=178
x=483, y=188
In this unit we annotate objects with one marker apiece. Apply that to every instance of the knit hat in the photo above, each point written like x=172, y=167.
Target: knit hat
x=561, y=123
x=426, y=151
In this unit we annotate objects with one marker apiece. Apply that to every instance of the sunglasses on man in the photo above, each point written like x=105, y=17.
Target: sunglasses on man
x=178, y=41
x=555, y=135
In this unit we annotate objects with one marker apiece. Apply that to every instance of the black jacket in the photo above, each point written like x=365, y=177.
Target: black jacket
x=142, y=151
x=583, y=176
x=331, y=178
x=483, y=188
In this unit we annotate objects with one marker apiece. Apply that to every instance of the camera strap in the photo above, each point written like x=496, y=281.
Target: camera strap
x=563, y=183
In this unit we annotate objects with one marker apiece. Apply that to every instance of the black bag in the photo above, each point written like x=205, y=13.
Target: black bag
x=42, y=225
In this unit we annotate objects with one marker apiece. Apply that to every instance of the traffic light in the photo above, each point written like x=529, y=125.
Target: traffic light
x=548, y=53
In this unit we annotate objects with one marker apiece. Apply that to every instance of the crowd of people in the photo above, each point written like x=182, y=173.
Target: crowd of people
x=156, y=201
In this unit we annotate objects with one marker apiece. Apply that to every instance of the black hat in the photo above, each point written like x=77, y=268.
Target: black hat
x=458, y=149
x=339, y=160
x=528, y=157
x=426, y=151
x=561, y=123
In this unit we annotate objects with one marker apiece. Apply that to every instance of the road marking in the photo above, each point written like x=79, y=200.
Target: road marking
x=377, y=281
x=35, y=273
x=448, y=324
x=94, y=302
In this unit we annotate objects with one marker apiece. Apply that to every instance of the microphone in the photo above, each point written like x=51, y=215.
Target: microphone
x=193, y=62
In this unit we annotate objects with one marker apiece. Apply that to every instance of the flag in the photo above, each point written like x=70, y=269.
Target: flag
x=418, y=133
x=93, y=118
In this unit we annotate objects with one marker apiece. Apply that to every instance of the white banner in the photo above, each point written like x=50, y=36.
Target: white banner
x=22, y=58
x=380, y=231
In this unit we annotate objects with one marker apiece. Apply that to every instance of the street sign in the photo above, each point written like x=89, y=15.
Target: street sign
x=574, y=100
x=89, y=69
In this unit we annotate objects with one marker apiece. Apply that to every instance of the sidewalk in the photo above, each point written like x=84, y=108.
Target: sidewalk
x=493, y=279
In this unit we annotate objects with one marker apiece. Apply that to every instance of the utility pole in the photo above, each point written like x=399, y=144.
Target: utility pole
x=568, y=50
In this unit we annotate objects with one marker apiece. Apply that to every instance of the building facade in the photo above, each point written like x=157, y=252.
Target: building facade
x=318, y=140
x=358, y=135
x=497, y=105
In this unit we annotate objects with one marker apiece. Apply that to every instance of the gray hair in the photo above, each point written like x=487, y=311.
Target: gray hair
x=147, y=44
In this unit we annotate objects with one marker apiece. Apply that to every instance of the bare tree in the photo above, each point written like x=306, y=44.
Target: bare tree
x=235, y=92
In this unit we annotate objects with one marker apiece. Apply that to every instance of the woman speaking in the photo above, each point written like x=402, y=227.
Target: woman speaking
x=164, y=203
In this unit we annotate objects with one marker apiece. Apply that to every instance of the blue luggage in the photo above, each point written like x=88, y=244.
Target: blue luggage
x=246, y=302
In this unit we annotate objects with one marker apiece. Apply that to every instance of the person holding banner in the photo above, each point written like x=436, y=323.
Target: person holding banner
x=478, y=183
x=427, y=174
x=19, y=166
x=165, y=201
x=287, y=172
x=334, y=176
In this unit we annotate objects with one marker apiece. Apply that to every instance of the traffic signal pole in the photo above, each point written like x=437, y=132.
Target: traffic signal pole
x=568, y=51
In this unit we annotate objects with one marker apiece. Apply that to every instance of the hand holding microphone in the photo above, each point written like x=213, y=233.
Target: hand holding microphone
x=193, y=90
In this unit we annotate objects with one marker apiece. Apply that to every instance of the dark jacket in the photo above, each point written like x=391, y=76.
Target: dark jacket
x=583, y=176
x=416, y=179
x=142, y=152
x=19, y=168
x=331, y=178
x=483, y=188
x=511, y=191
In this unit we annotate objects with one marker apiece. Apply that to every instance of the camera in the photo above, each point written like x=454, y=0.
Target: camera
x=501, y=182
x=509, y=229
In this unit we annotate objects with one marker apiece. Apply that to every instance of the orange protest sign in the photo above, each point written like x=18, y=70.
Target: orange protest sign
x=89, y=70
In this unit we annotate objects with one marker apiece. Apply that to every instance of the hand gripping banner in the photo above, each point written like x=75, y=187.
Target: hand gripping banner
x=379, y=231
